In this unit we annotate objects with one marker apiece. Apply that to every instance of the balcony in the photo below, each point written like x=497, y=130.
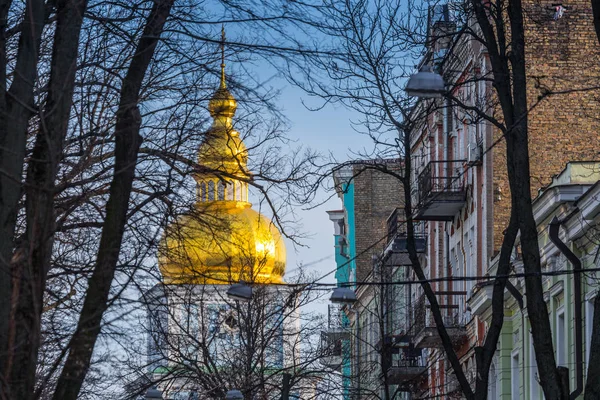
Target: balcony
x=481, y=298
x=441, y=192
x=409, y=368
x=396, y=252
x=331, y=351
x=425, y=330
x=338, y=326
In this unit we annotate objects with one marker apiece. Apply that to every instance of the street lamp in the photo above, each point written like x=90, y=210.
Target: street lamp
x=343, y=295
x=240, y=291
x=425, y=83
x=234, y=394
x=153, y=394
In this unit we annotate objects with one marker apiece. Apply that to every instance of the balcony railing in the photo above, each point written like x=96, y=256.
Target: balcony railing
x=338, y=326
x=394, y=221
x=407, y=370
x=331, y=351
x=441, y=192
x=396, y=251
x=425, y=329
x=335, y=318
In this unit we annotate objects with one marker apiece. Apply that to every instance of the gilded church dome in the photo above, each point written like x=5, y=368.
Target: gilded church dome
x=222, y=103
x=223, y=240
x=222, y=244
x=224, y=151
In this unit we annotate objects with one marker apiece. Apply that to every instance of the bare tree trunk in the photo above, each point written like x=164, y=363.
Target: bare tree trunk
x=513, y=101
x=427, y=289
x=520, y=185
x=127, y=143
x=34, y=253
x=485, y=354
x=16, y=108
x=596, y=13
x=7, y=214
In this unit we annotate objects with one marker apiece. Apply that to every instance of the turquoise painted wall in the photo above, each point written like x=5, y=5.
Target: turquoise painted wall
x=346, y=268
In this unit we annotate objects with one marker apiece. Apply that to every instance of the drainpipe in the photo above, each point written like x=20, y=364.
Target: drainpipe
x=355, y=373
x=554, y=228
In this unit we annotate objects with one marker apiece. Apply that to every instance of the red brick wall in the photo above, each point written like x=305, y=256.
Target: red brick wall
x=562, y=55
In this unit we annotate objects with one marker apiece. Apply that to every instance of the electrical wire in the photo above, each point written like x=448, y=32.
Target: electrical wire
x=487, y=279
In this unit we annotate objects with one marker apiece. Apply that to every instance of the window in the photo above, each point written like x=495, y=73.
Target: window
x=211, y=191
x=468, y=262
x=492, y=391
x=515, y=383
x=460, y=259
x=229, y=191
x=203, y=191
x=560, y=338
x=461, y=144
x=589, y=318
x=220, y=190
x=472, y=250
x=534, y=386
x=238, y=192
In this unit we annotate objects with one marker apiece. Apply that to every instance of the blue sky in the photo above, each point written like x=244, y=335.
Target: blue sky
x=326, y=130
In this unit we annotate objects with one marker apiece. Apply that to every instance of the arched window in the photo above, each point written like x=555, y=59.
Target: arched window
x=238, y=192
x=220, y=190
x=211, y=191
x=492, y=391
x=203, y=191
x=229, y=191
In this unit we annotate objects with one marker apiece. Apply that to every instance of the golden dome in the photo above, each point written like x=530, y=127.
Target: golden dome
x=223, y=240
x=224, y=152
x=222, y=104
x=224, y=243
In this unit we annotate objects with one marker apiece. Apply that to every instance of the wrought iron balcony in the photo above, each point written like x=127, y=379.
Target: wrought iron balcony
x=331, y=351
x=407, y=370
x=396, y=252
x=425, y=330
x=441, y=192
x=337, y=325
x=481, y=298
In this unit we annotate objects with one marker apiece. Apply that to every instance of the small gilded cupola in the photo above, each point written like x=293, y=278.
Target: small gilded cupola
x=223, y=152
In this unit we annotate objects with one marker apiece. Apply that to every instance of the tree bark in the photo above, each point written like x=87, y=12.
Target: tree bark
x=427, y=289
x=127, y=143
x=596, y=14
x=485, y=355
x=16, y=108
x=34, y=252
x=520, y=186
x=512, y=94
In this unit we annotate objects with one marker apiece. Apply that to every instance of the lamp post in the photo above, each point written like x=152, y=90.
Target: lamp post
x=343, y=295
x=153, y=394
x=234, y=394
x=240, y=291
x=425, y=84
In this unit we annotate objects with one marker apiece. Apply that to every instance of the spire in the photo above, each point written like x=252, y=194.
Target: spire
x=222, y=149
x=222, y=106
x=223, y=83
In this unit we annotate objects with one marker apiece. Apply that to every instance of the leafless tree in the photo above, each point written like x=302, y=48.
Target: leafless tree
x=82, y=83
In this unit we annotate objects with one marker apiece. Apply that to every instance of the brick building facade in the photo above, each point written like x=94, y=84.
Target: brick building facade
x=461, y=160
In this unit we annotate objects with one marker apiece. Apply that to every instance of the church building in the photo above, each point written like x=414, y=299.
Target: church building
x=202, y=342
